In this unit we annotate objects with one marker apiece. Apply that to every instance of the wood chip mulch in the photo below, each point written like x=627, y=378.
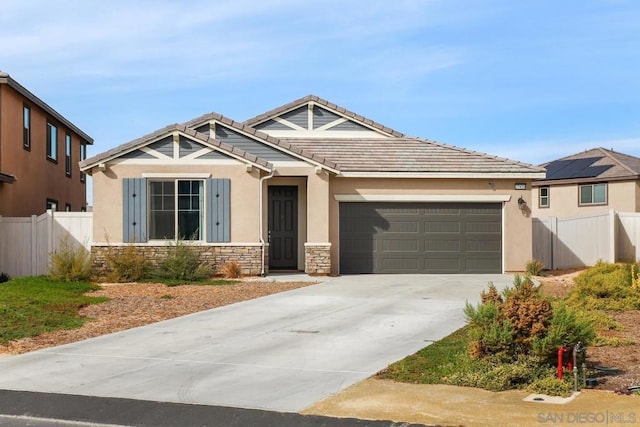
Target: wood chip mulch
x=137, y=304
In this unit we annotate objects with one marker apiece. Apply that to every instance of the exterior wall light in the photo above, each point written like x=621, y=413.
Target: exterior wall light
x=522, y=203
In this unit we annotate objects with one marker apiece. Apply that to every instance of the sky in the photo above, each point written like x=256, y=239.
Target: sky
x=528, y=80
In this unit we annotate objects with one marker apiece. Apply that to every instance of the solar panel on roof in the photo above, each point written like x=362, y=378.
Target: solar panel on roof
x=592, y=171
x=575, y=168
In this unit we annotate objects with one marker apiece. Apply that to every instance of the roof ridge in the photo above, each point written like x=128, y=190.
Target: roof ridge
x=609, y=154
x=324, y=103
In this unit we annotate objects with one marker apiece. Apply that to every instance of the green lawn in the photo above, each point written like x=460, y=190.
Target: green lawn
x=30, y=306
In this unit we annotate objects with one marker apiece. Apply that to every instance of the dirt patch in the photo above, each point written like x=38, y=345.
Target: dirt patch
x=626, y=358
x=138, y=304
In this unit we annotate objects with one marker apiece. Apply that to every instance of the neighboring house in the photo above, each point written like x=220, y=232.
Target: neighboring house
x=39, y=155
x=593, y=181
x=311, y=186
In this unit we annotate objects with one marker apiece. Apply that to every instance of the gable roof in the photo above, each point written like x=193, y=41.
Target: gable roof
x=230, y=150
x=411, y=156
x=9, y=81
x=270, y=140
x=594, y=165
x=324, y=103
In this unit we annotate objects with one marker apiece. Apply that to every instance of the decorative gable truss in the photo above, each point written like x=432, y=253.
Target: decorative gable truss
x=178, y=148
x=312, y=120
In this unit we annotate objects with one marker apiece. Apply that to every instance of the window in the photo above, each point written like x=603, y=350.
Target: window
x=67, y=207
x=67, y=155
x=26, y=127
x=593, y=194
x=83, y=155
x=52, y=204
x=176, y=209
x=52, y=142
x=544, y=197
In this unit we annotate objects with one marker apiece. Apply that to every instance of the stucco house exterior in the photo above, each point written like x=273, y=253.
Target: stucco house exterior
x=312, y=186
x=39, y=154
x=593, y=181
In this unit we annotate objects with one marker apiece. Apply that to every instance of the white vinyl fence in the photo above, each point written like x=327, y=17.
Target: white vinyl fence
x=582, y=241
x=27, y=243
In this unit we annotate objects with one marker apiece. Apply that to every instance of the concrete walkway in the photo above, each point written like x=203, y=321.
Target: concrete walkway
x=282, y=352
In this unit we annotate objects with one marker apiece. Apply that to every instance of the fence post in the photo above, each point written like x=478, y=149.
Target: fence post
x=554, y=241
x=1, y=234
x=613, y=235
x=34, y=245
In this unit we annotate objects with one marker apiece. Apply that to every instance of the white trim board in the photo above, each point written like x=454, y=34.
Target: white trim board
x=473, y=198
x=489, y=175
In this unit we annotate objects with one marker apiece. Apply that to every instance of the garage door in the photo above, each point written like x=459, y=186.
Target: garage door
x=385, y=237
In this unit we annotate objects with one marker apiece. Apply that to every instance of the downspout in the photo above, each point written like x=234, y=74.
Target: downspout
x=260, y=217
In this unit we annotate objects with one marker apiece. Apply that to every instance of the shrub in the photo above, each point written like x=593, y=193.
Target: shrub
x=551, y=386
x=4, y=277
x=128, y=265
x=504, y=326
x=500, y=376
x=606, y=286
x=566, y=327
x=528, y=312
x=70, y=262
x=231, y=270
x=182, y=263
x=534, y=267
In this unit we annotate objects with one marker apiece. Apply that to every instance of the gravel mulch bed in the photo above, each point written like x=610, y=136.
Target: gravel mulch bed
x=137, y=304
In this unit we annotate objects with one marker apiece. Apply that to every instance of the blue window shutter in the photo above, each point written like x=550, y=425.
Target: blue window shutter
x=219, y=210
x=134, y=208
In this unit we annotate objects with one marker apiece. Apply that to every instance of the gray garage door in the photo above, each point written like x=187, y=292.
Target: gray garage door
x=420, y=237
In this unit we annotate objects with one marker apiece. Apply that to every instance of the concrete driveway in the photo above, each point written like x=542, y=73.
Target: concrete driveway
x=282, y=352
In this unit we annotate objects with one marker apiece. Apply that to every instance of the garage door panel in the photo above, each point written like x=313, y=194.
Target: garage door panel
x=380, y=237
x=442, y=245
x=400, y=245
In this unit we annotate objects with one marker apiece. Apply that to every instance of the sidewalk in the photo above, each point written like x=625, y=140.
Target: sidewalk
x=455, y=406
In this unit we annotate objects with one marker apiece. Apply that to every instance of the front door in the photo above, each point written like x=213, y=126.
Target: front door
x=283, y=227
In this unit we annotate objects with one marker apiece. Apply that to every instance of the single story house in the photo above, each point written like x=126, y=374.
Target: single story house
x=314, y=187
x=593, y=181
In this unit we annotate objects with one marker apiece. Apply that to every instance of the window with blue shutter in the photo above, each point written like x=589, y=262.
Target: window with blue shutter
x=134, y=207
x=218, y=210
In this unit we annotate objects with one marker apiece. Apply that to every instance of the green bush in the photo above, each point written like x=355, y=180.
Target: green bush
x=182, y=264
x=534, y=267
x=551, y=386
x=127, y=265
x=567, y=327
x=606, y=286
x=70, y=262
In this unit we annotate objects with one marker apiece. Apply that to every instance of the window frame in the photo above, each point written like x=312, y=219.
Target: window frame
x=83, y=156
x=541, y=204
x=593, y=193
x=26, y=127
x=202, y=209
x=52, y=141
x=68, y=146
x=51, y=204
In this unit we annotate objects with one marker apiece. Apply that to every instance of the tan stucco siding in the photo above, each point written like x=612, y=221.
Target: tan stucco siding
x=517, y=225
x=622, y=196
x=107, y=223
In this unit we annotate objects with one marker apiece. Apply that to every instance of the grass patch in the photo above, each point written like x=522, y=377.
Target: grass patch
x=434, y=362
x=30, y=306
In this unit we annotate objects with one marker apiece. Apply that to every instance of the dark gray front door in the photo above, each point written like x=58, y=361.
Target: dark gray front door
x=385, y=237
x=283, y=227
